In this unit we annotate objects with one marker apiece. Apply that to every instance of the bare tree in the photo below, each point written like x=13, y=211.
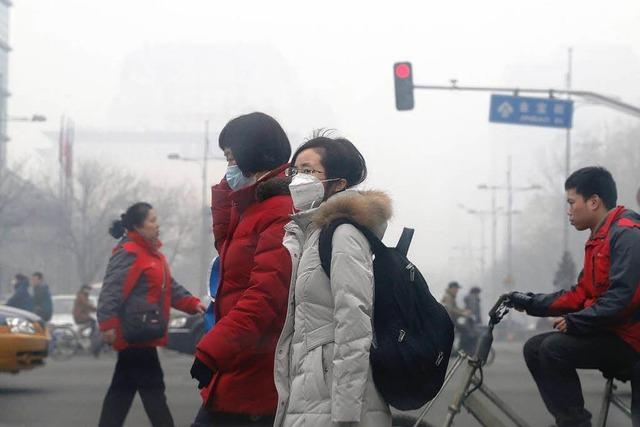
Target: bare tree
x=100, y=194
x=17, y=200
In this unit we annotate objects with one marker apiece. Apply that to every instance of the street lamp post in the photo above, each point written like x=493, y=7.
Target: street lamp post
x=34, y=118
x=482, y=215
x=203, y=213
x=4, y=139
x=510, y=189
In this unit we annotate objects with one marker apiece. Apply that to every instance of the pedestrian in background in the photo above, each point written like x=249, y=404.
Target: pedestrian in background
x=83, y=310
x=250, y=207
x=21, y=297
x=137, y=293
x=450, y=302
x=42, y=303
x=472, y=304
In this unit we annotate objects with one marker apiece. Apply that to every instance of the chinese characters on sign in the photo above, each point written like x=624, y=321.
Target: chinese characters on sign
x=519, y=110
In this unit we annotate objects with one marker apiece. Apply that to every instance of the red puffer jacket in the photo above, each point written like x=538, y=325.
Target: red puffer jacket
x=607, y=295
x=137, y=270
x=251, y=302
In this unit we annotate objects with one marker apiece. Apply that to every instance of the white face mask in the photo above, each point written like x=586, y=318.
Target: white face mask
x=306, y=190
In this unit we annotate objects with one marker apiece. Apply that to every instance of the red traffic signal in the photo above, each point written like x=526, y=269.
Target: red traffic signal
x=403, y=79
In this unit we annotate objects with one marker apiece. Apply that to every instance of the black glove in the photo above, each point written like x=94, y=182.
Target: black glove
x=201, y=372
x=519, y=300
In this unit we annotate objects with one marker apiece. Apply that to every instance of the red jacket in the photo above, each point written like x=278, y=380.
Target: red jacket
x=135, y=272
x=251, y=302
x=607, y=295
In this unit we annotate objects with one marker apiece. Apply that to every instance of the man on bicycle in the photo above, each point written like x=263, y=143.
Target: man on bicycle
x=597, y=324
x=83, y=309
x=460, y=317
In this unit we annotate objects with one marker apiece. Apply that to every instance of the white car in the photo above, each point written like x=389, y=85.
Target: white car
x=63, y=310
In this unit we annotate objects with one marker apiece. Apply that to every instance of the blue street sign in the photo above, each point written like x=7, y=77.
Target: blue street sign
x=520, y=110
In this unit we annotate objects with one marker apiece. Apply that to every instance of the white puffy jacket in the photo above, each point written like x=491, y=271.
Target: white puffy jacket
x=322, y=369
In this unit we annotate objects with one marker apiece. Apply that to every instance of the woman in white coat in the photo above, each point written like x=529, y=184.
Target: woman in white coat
x=322, y=369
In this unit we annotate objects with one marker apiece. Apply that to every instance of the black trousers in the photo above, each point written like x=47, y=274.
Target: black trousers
x=206, y=418
x=553, y=359
x=137, y=370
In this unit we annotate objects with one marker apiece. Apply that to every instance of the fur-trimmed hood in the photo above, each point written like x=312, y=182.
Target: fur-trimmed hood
x=276, y=186
x=369, y=208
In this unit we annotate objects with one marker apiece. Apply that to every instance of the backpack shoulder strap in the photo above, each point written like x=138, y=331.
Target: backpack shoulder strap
x=405, y=241
x=325, y=241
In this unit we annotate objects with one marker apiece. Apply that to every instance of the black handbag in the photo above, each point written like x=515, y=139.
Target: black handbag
x=141, y=321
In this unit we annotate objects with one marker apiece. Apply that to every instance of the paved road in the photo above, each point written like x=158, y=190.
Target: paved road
x=70, y=393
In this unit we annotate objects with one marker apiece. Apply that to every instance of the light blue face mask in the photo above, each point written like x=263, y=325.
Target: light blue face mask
x=236, y=179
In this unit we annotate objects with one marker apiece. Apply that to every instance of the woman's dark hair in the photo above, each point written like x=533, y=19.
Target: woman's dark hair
x=594, y=180
x=21, y=279
x=257, y=141
x=340, y=158
x=132, y=218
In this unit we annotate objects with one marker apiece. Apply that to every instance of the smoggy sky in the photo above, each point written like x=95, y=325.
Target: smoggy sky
x=329, y=64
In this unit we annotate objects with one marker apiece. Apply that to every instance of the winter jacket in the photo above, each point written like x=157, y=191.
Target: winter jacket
x=21, y=297
x=322, y=370
x=82, y=308
x=607, y=295
x=138, y=273
x=42, y=303
x=251, y=300
x=472, y=303
x=451, y=304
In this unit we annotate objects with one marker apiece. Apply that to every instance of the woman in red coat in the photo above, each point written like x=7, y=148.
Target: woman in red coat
x=138, y=283
x=250, y=206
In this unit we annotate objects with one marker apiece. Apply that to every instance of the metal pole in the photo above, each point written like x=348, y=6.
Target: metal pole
x=509, y=223
x=593, y=96
x=565, y=229
x=494, y=236
x=204, y=165
x=204, y=231
x=483, y=243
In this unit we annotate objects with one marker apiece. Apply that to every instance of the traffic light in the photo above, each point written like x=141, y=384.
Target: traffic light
x=403, y=78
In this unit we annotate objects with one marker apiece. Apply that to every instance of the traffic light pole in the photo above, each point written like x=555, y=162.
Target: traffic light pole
x=593, y=97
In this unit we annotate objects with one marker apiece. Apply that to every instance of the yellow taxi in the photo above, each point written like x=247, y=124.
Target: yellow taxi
x=24, y=341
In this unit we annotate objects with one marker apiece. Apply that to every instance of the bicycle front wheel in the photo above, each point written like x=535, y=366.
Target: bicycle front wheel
x=64, y=343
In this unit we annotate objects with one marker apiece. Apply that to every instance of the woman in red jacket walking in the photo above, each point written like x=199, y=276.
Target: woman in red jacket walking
x=250, y=206
x=137, y=294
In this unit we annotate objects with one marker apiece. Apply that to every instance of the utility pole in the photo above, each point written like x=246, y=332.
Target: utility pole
x=204, y=262
x=205, y=230
x=494, y=227
x=482, y=215
x=509, y=279
x=565, y=229
x=510, y=189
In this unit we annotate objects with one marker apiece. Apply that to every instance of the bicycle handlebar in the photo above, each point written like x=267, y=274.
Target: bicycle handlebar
x=499, y=309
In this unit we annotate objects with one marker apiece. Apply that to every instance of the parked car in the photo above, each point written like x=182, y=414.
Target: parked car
x=185, y=331
x=24, y=340
x=63, y=310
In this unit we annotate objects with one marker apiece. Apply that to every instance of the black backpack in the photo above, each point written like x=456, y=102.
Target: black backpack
x=413, y=333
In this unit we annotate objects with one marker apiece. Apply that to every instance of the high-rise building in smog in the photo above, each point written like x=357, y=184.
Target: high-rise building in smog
x=4, y=71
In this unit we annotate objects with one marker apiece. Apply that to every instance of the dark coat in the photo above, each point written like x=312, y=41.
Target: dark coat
x=21, y=298
x=472, y=303
x=251, y=301
x=42, y=303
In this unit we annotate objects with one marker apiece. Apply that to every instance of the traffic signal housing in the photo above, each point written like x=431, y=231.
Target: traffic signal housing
x=403, y=79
